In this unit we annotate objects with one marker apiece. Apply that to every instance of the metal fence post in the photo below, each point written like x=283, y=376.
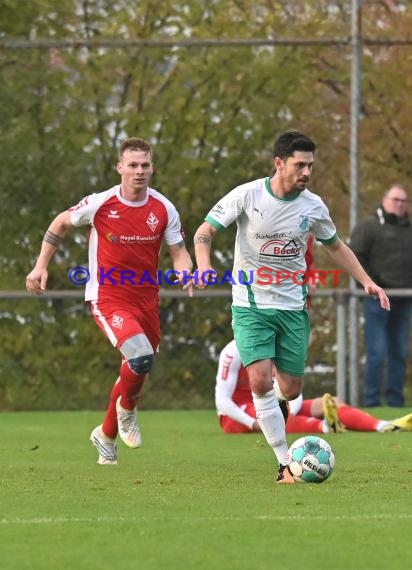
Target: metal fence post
x=341, y=360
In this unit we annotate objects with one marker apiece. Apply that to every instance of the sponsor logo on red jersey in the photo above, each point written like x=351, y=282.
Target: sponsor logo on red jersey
x=131, y=238
x=111, y=237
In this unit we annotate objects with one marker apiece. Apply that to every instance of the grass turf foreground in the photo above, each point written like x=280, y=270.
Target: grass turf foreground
x=194, y=498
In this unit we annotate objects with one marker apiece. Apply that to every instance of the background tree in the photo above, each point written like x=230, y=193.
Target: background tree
x=212, y=114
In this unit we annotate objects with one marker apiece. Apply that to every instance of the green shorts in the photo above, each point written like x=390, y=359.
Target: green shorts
x=279, y=335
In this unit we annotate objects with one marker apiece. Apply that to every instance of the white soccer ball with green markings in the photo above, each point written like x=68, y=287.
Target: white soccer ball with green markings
x=310, y=459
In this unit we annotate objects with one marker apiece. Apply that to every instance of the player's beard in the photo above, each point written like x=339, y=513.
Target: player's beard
x=301, y=185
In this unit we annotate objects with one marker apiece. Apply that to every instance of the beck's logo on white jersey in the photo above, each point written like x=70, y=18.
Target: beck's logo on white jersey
x=152, y=222
x=276, y=249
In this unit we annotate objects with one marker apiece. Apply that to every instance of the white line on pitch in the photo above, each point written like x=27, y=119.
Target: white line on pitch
x=110, y=520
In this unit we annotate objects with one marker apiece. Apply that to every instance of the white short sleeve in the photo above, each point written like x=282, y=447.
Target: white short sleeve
x=228, y=209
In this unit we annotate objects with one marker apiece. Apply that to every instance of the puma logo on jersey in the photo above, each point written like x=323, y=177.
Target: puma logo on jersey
x=152, y=221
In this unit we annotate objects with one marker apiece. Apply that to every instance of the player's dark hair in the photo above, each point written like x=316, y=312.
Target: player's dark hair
x=287, y=143
x=133, y=143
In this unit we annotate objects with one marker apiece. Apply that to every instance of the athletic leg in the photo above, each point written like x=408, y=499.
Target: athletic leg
x=125, y=330
x=259, y=335
x=268, y=412
x=357, y=420
x=304, y=424
x=110, y=421
x=352, y=418
x=138, y=359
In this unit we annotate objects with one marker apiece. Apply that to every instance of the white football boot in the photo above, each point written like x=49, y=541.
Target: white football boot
x=105, y=446
x=129, y=430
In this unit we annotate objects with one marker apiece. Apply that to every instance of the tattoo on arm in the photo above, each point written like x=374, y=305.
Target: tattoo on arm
x=52, y=239
x=202, y=238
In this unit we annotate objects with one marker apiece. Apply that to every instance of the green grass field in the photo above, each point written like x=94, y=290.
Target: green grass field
x=193, y=497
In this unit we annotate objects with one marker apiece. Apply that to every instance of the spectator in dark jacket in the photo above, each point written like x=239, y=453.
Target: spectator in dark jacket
x=383, y=245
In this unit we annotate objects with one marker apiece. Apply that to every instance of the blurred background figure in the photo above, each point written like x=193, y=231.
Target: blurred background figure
x=383, y=245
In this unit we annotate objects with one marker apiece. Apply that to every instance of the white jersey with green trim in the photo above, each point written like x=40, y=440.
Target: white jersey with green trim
x=270, y=245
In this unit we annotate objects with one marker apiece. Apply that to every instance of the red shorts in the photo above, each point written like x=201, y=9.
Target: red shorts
x=231, y=426
x=120, y=323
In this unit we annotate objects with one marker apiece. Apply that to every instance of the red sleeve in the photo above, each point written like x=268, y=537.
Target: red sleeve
x=309, y=264
x=309, y=254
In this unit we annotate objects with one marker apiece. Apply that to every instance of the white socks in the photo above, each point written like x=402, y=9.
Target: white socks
x=272, y=423
x=381, y=425
x=278, y=392
x=325, y=427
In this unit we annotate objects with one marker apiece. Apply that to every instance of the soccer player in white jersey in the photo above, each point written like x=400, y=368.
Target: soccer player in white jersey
x=274, y=216
x=129, y=223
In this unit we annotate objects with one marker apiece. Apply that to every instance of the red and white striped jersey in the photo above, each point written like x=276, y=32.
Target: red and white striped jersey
x=124, y=245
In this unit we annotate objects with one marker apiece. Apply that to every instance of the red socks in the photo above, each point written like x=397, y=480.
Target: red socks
x=356, y=420
x=128, y=386
x=110, y=421
x=303, y=424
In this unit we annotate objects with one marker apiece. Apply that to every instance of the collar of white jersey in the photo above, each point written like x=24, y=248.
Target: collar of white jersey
x=290, y=198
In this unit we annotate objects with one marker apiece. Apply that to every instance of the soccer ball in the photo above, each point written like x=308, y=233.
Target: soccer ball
x=310, y=459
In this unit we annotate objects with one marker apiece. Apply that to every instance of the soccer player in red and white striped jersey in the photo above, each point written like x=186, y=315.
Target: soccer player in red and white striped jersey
x=236, y=411
x=128, y=224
